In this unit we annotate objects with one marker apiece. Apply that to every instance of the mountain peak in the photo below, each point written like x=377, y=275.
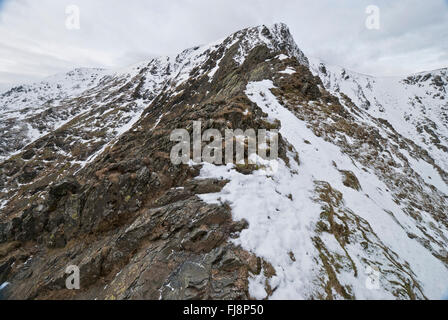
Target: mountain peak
x=277, y=37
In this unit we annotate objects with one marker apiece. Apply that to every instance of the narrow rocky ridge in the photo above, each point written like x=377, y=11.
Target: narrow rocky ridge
x=100, y=191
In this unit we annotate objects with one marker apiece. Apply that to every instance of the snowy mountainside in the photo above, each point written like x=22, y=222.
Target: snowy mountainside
x=28, y=112
x=366, y=224
x=353, y=208
x=23, y=102
x=416, y=106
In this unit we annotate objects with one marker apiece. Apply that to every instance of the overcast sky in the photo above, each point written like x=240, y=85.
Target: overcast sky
x=34, y=40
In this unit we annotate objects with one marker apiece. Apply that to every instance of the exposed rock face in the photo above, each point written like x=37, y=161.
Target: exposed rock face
x=91, y=183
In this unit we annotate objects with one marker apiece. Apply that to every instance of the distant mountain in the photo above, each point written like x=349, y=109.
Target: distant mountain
x=355, y=207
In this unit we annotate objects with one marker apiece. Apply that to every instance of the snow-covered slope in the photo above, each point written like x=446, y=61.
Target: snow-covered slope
x=388, y=242
x=283, y=214
x=354, y=208
x=416, y=107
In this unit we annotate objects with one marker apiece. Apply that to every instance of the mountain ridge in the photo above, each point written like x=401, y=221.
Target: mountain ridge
x=354, y=207
x=279, y=29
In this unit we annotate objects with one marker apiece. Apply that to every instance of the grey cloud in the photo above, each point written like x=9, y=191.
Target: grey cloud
x=34, y=41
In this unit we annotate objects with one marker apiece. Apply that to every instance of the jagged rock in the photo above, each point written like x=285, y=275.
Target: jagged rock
x=27, y=155
x=5, y=269
x=350, y=180
x=4, y=291
x=29, y=173
x=205, y=186
x=64, y=188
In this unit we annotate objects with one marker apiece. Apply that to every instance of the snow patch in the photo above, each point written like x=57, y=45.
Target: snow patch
x=282, y=214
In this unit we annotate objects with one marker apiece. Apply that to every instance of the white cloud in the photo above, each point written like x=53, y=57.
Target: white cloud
x=34, y=41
